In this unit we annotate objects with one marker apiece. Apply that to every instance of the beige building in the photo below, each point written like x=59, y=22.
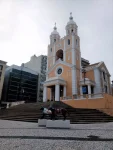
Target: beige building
x=65, y=77
x=2, y=72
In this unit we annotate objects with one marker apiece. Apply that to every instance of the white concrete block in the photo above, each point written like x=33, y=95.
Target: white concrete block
x=58, y=124
x=42, y=122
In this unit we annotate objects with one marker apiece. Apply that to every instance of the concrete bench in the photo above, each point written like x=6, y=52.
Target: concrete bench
x=58, y=124
x=42, y=122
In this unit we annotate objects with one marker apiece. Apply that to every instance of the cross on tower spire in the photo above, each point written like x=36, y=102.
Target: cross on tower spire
x=70, y=13
x=55, y=28
x=71, y=18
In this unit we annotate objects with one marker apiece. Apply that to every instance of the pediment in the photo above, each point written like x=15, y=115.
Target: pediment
x=103, y=67
x=58, y=62
x=100, y=65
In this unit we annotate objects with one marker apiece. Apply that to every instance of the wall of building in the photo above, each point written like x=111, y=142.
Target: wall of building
x=66, y=75
x=38, y=64
x=2, y=73
x=34, y=63
x=62, y=44
x=5, y=85
x=90, y=75
x=106, y=81
x=104, y=104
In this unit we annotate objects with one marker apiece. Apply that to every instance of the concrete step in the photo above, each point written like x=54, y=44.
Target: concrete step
x=31, y=113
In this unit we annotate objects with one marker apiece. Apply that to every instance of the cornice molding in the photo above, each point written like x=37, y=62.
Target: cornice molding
x=87, y=82
x=54, y=82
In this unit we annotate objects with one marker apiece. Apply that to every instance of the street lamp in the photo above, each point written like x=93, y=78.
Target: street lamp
x=22, y=92
x=84, y=73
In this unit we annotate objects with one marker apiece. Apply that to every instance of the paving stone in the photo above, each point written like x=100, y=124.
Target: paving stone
x=26, y=136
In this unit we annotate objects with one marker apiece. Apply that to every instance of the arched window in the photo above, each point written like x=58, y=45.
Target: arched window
x=105, y=87
x=76, y=41
x=68, y=41
x=51, y=49
x=54, y=40
x=59, y=55
x=72, y=31
x=104, y=76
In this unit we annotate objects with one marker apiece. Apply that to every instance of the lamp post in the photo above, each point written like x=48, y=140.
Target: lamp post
x=17, y=92
x=22, y=93
x=21, y=84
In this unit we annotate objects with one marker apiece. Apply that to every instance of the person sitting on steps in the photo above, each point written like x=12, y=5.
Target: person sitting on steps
x=45, y=112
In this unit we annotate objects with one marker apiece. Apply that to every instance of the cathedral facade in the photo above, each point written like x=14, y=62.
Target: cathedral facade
x=68, y=74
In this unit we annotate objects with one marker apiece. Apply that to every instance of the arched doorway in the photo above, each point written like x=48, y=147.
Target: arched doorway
x=59, y=54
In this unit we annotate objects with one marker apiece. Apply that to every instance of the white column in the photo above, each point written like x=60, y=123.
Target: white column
x=107, y=83
x=74, y=84
x=50, y=93
x=97, y=88
x=73, y=51
x=74, y=78
x=57, y=92
x=47, y=70
x=81, y=93
x=64, y=51
x=101, y=74
x=64, y=91
x=89, y=90
x=45, y=94
x=80, y=67
x=54, y=53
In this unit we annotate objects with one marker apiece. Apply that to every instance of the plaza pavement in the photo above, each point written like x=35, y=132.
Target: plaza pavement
x=16, y=135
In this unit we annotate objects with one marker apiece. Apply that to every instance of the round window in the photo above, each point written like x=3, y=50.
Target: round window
x=59, y=71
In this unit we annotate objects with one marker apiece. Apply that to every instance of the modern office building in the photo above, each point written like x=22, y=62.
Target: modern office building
x=20, y=84
x=38, y=64
x=2, y=71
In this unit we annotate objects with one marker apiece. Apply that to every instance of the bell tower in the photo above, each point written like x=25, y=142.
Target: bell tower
x=54, y=40
x=71, y=26
x=54, y=37
x=72, y=50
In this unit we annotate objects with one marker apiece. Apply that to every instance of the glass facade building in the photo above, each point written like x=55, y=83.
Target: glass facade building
x=20, y=85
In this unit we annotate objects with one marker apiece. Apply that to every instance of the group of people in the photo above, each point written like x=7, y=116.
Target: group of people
x=50, y=111
x=53, y=112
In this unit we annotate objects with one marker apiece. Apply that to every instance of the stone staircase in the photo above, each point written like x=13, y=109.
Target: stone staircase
x=30, y=112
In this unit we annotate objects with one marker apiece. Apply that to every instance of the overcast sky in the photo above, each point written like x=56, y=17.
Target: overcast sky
x=25, y=27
